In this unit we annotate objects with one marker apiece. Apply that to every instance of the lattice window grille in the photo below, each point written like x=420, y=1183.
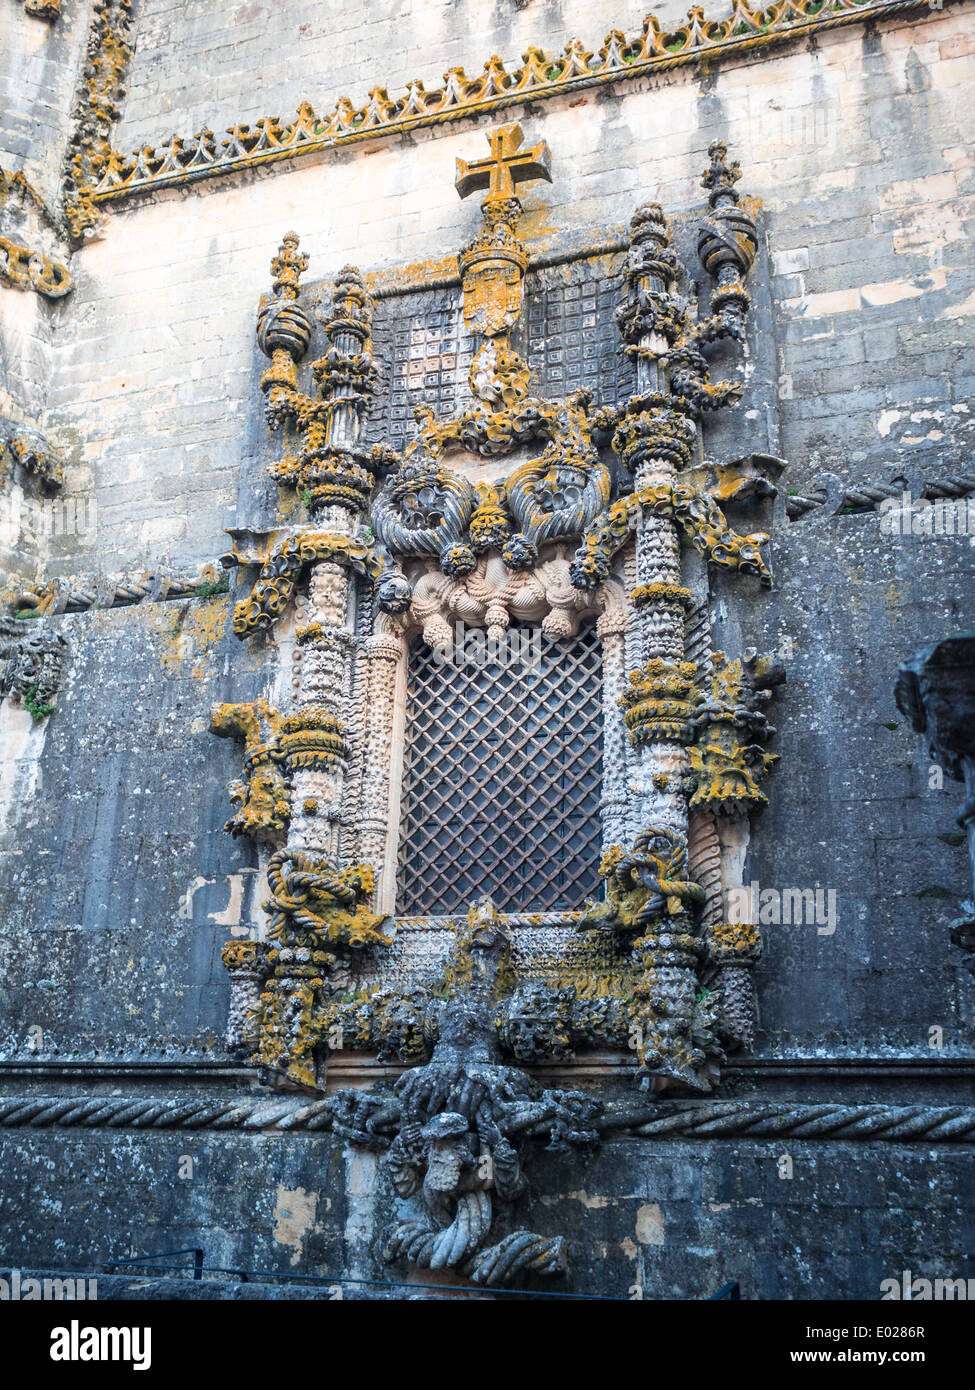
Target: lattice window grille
x=501, y=780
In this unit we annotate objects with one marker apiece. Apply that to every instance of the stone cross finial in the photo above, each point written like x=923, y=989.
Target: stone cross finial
x=507, y=165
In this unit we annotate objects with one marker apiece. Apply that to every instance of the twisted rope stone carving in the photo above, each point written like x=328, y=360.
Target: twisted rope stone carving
x=870, y=494
x=894, y=1124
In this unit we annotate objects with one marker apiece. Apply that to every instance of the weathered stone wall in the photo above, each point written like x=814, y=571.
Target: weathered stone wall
x=198, y=62
x=119, y=883
x=114, y=922
x=39, y=65
x=662, y=1220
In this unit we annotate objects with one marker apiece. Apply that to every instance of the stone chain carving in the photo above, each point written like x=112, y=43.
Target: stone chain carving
x=30, y=269
x=262, y=801
x=727, y=757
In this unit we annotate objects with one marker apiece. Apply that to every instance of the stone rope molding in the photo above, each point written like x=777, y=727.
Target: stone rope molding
x=829, y=489
x=105, y=174
x=921, y=1124
x=76, y=595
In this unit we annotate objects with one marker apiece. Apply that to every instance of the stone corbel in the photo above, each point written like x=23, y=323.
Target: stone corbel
x=755, y=475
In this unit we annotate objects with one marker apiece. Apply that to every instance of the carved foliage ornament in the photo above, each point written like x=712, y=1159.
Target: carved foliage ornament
x=32, y=665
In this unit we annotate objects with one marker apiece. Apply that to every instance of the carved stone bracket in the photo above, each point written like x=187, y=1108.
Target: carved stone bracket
x=29, y=448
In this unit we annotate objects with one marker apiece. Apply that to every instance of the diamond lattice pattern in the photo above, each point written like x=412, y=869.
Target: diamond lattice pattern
x=501, y=779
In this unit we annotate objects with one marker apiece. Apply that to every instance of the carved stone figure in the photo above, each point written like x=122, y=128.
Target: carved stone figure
x=456, y=1124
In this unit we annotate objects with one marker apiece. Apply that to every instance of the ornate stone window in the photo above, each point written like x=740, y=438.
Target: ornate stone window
x=489, y=863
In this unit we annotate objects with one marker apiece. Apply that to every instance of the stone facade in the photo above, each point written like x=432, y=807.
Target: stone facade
x=139, y=393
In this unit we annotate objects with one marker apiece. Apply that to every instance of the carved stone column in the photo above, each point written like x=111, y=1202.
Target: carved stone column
x=336, y=489
x=653, y=443
x=318, y=894
x=611, y=628
x=322, y=670
x=382, y=756
x=651, y=891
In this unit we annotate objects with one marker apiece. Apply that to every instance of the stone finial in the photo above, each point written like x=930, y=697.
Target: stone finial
x=721, y=176
x=506, y=166
x=287, y=266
